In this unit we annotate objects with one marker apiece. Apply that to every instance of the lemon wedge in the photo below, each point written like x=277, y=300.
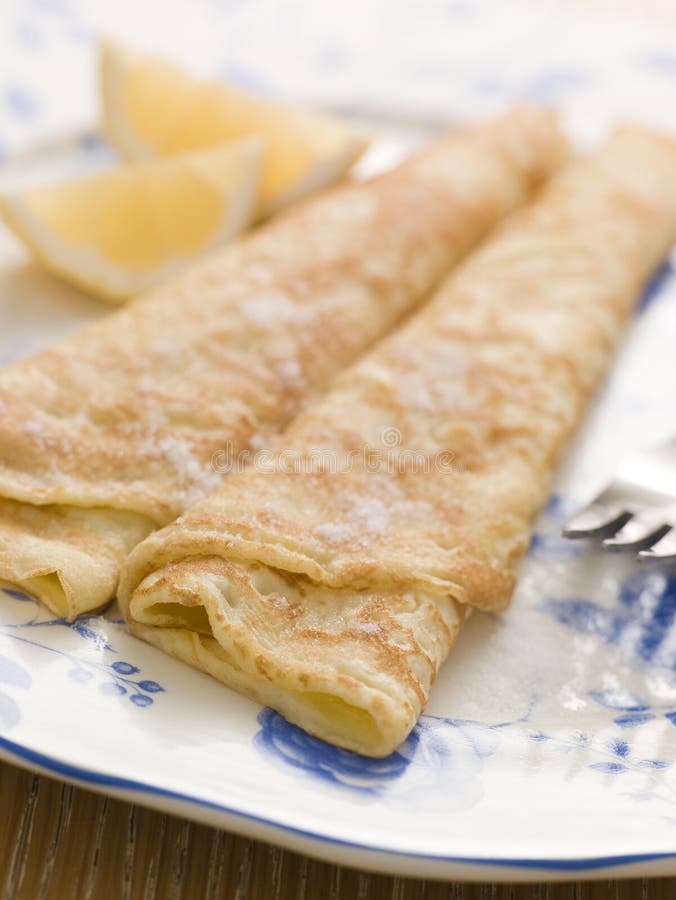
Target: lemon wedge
x=151, y=107
x=123, y=230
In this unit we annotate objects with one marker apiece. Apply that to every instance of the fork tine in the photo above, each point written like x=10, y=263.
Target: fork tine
x=599, y=519
x=665, y=548
x=640, y=532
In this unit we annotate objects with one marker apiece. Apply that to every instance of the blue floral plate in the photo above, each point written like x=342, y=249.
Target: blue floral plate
x=548, y=749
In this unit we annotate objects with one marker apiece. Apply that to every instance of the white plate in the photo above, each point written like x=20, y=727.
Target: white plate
x=549, y=746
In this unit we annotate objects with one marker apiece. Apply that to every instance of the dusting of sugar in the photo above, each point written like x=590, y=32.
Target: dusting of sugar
x=257, y=441
x=372, y=513
x=34, y=427
x=370, y=517
x=179, y=455
x=415, y=393
x=335, y=532
x=289, y=370
x=436, y=379
x=195, y=479
x=275, y=309
x=46, y=439
x=368, y=627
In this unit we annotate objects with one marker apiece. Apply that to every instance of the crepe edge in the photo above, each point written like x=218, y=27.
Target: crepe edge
x=66, y=557
x=355, y=713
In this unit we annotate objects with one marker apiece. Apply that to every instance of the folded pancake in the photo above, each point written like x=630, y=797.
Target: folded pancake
x=330, y=578
x=111, y=433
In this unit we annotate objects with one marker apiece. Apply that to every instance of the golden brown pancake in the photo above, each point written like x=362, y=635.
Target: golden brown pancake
x=111, y=433
x=331, y=580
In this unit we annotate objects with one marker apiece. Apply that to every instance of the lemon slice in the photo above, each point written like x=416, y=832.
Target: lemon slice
x=125, y=229
x=151, y=107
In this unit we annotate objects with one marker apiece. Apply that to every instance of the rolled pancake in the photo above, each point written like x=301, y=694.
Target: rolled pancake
x=111, y=434
x=329, y=580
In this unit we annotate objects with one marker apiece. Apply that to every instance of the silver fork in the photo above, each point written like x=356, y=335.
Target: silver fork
x=637, y=509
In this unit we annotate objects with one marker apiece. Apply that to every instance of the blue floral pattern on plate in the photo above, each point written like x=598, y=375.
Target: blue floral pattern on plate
x=440, y=761
x=117, y=678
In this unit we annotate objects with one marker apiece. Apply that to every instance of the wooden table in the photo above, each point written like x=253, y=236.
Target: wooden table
x=59, y=842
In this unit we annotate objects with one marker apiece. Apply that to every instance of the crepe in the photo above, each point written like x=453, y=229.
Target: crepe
x=330, y=578
x=111, y=433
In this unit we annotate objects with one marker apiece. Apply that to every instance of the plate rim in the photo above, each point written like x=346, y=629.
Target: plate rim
x=512, y=868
